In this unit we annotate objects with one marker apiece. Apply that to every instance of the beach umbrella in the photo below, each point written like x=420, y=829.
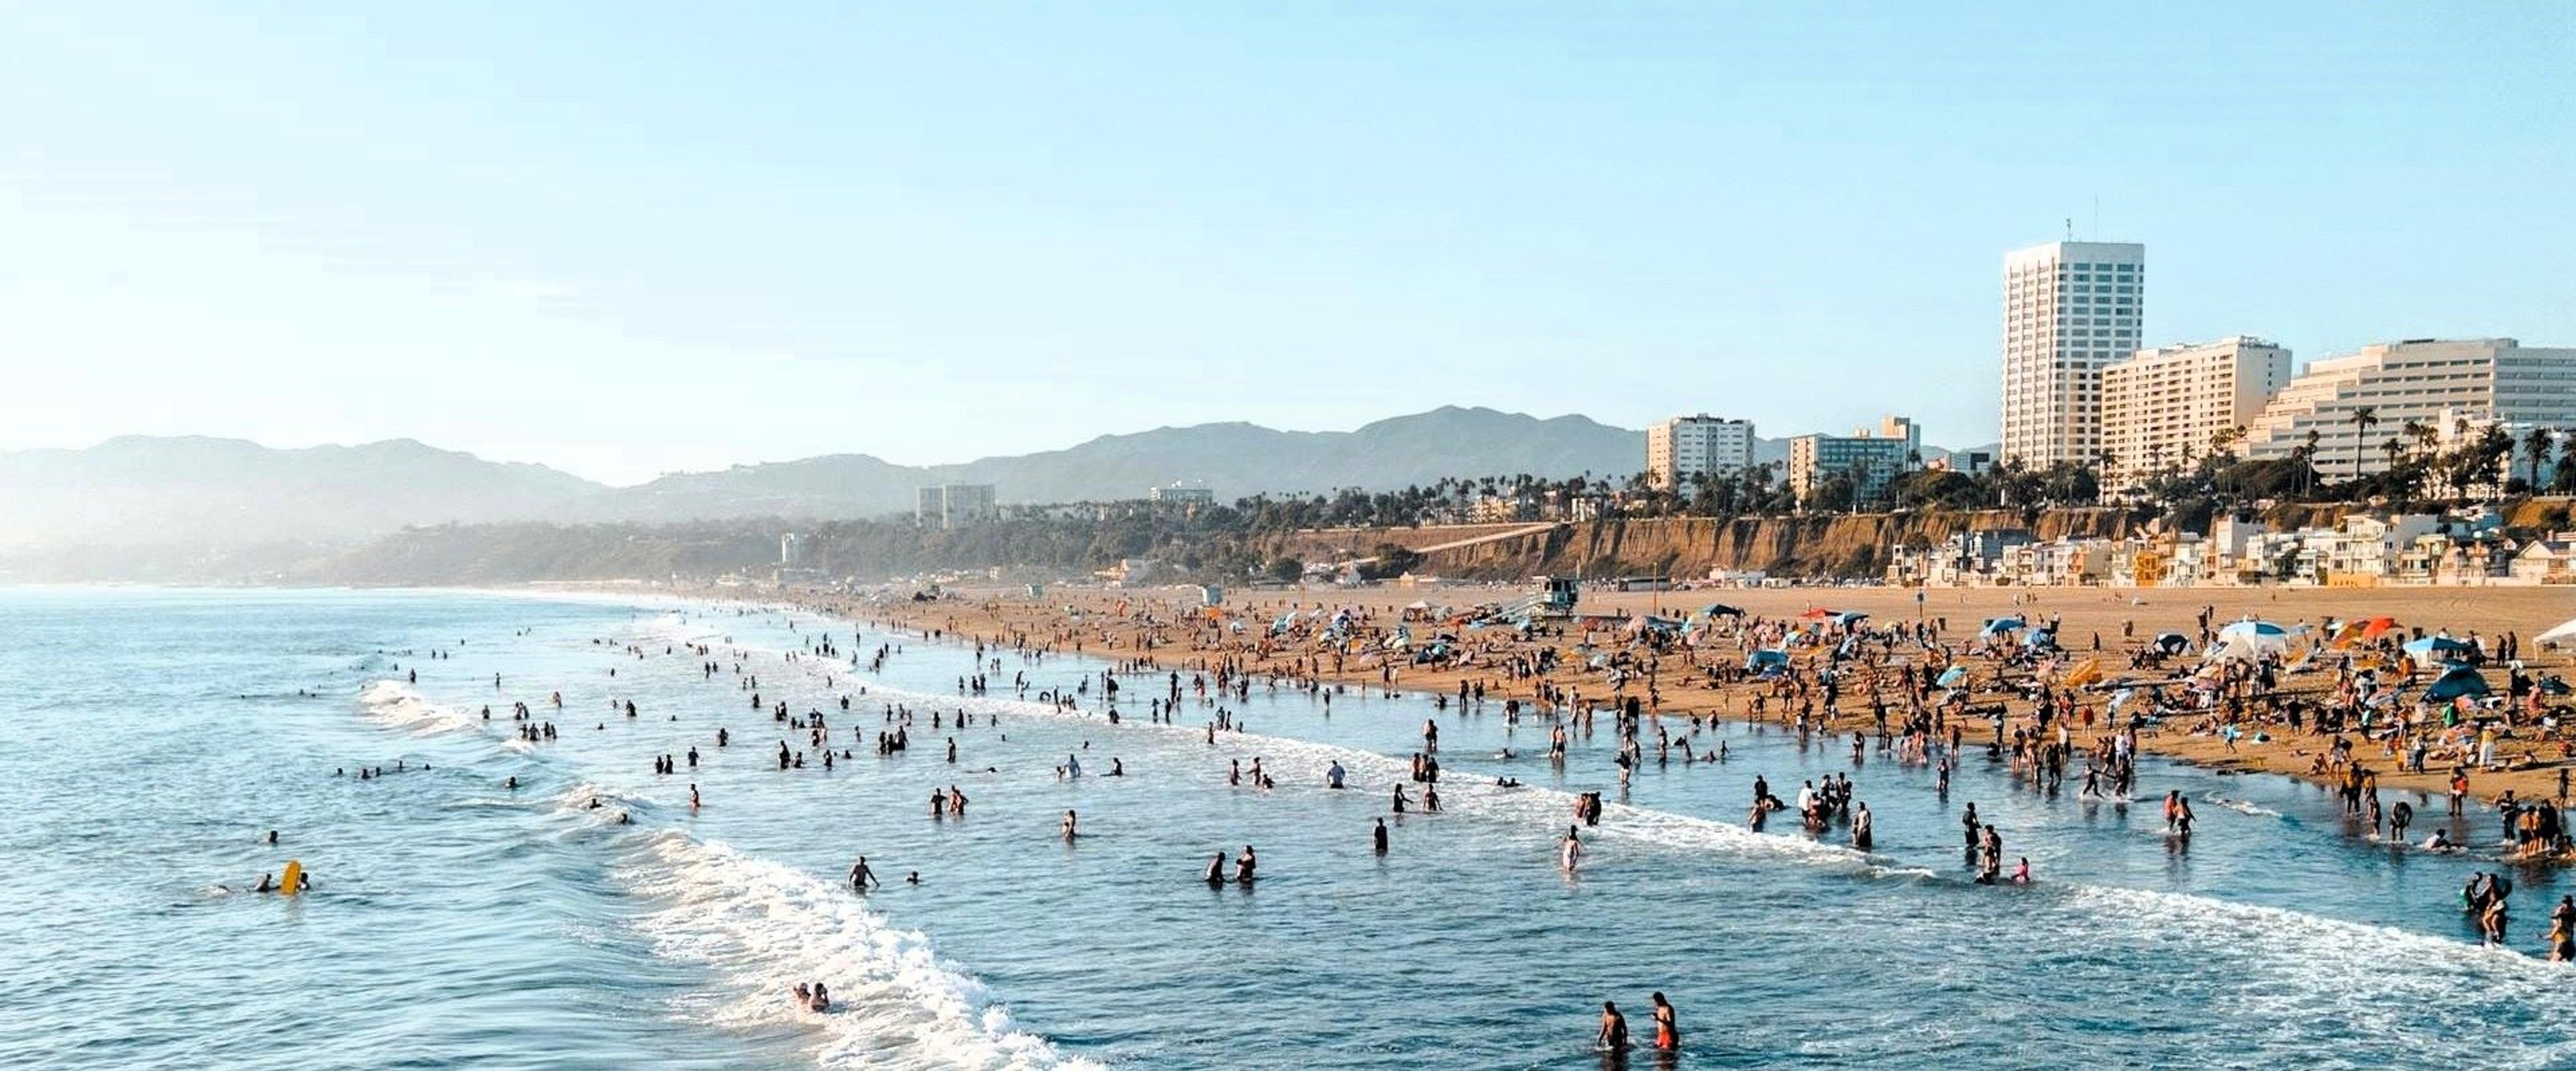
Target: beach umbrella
x=2173, y=642
x=2373, y=628
x=1951, y=677
x=2001, y=625
x=2434, y=646
x=1719, y=609
x=2458, y=682
x=1849, y=619
x=2040, y=639
x=2252, y=628
x=1766, y=657
x=2562, y=632
x=2086, y=673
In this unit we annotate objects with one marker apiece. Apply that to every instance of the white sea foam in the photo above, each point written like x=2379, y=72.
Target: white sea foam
x=397, y=704
x=763, y=927
x=2241, y=806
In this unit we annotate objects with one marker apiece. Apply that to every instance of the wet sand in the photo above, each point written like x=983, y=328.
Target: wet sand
x=1116, y=624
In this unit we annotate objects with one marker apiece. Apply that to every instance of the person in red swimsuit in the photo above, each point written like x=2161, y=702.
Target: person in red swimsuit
x=1668, y=1031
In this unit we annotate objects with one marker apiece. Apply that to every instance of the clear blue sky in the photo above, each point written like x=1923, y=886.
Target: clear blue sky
x=628, y=238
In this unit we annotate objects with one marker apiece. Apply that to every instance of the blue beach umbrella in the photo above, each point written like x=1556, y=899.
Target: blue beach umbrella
x=2001, y=625
x=2252, y=628
x=1766, y=657
x=2435, y=646
x=2458, y=682
x=1951, y=677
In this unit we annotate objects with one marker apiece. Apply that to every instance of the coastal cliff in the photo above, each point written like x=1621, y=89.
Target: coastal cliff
x=1841, y=545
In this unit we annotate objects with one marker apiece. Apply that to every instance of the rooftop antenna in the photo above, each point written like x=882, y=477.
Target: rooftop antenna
x=2070, y=228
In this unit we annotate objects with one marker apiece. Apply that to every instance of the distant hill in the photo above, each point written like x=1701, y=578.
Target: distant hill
x=1233, y=459
x=188, y=507
x=138, y=491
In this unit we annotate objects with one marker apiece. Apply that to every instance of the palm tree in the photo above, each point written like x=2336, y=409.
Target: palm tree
x=2537, y=441
x=2310, y=478
x=2364, y=418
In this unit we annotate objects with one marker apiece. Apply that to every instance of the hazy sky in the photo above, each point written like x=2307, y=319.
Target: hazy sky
x=630, y=238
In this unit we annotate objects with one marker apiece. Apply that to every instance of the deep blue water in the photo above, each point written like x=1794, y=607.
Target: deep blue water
x=148, y=738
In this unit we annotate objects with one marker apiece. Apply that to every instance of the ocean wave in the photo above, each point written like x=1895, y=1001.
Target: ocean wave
x=397, y=704
x=763, y=927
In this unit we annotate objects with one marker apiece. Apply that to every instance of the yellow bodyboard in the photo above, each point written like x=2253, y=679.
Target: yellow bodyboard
x=294, y=880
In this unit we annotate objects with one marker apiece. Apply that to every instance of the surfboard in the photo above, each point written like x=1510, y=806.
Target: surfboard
x=294, y=880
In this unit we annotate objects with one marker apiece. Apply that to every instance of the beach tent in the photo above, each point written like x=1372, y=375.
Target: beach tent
x=1766, y=657
x=2458, y=682
x=2553, y=685
x=2437, y=646
x=1850, y=618
x=2562, y=632
x=2040, y=639
x=1719, y=609
x=2247, y=647
x=2173, y=643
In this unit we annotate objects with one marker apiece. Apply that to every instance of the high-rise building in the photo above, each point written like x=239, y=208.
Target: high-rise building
x=2069, y=309
x=1683, y=447
x=2170, y=407
x=2423, y=382
x=952, y=505
x=1869, y=459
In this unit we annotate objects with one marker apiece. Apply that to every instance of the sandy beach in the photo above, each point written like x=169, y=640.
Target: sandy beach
x=1117, y=624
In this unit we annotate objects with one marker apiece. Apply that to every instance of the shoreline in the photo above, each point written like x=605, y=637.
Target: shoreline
x=996, y=617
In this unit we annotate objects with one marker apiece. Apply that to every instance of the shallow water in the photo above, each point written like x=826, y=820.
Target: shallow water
x=150, y=736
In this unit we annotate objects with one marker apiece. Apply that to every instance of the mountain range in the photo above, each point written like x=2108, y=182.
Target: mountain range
x=196, y=495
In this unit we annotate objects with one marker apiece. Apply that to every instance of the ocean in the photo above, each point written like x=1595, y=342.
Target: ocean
x=150, y=738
